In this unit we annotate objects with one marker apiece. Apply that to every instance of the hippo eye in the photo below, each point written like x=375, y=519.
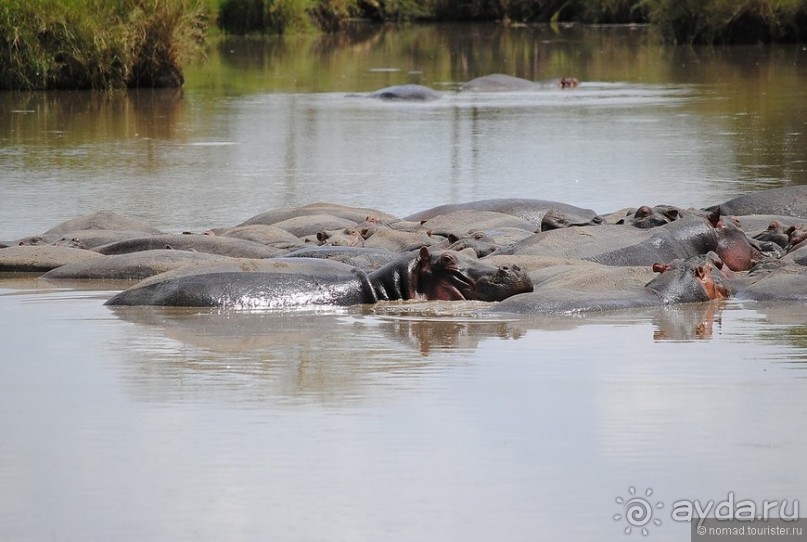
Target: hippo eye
x=479, y=235
x=448, y=259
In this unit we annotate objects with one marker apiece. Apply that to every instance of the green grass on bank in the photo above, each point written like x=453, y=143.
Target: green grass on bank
x=97, y=44
x=106, y=44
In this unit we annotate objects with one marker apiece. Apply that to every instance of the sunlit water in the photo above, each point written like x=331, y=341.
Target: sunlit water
x=411, y=421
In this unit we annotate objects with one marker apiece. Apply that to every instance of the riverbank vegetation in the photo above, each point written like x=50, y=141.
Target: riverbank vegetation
x=679, y=21
x=98, y=44
x=106, y=44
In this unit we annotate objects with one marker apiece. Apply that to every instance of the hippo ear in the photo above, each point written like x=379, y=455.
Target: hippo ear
x=364, y=232
x=424, y=254
x=714, y=216
x=700, y=271
x=660, y=267
x=672, y=214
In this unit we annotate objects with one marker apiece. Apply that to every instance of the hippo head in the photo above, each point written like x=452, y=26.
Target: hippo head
x=569, y=82
x=797, y=237
x=479, y=241
x=649, y=217
x=733, y=246
x=346, y=237
x=449, y=277
x=555, y=219
x=699, y=278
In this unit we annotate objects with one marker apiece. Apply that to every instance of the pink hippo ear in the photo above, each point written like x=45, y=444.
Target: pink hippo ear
x=660, y=267
x=424, y=255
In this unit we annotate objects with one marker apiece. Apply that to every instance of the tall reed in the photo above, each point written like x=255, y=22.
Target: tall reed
x=97, y=44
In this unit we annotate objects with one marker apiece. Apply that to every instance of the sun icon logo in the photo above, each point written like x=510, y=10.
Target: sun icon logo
x=638, y=511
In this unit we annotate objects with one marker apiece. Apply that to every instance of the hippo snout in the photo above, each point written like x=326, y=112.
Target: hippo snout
x=506, y=281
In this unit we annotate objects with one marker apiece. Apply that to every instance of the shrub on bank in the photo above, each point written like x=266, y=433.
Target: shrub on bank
x=249, y=16
x=730, y=21
x=281, y=16
x=97, y=44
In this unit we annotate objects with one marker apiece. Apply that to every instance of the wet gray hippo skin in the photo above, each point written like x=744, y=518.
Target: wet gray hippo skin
x=774, y=281
x=224, y=246
x=686, y=238
x=788, y=201
x=361, y=257
x=625, y=246
x=651, y=217
x=693, y=280
x=354, y=214
x=406, y=93
x=499, y=82
x=425, y=276
x=531, y=210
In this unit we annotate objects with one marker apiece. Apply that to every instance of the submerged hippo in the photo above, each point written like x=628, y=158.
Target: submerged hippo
x=406, y=93
x=425, y=276
x=597, y=288
x=499, y=82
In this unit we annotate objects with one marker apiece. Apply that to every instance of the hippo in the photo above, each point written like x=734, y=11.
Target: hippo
x=401, y=241
x=132, y=265
x=499, y=82
x=531, y=210
x=101, y=220
x=460, y=222
x=623, y=245
x=650, y=217
x=774, y=281
x=582, y=289
x=224, y=246
x=259, y=233
x=40, y=258
x=361, y=257
x=788, y=201
x=303, y=226
x=477, y=240
x=343, y=237
x=406, y=93
x=425, y=275
x=354, y=214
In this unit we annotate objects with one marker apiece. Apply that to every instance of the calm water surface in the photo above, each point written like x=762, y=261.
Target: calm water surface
x=401, y=421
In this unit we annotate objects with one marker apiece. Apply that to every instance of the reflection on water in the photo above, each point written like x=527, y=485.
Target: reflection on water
x=268, y=123
x=404, y=421
x=147, y=423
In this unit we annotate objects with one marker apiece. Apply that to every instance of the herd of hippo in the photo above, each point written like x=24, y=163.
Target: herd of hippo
x=530, y=256
x=497, y=82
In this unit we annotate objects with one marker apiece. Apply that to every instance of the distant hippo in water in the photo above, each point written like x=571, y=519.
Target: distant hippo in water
x=425, y=275
x=499, y=82
x=406, y=93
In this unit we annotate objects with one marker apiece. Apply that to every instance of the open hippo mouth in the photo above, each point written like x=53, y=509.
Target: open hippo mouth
x=447, y=278
x=455, y=284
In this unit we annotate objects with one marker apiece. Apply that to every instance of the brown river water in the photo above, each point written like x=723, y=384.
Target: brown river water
x=402, y=421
